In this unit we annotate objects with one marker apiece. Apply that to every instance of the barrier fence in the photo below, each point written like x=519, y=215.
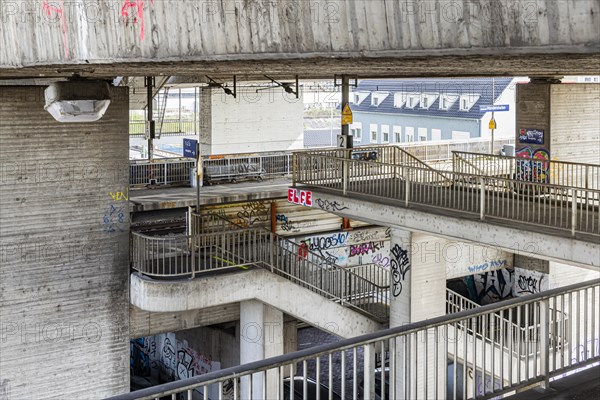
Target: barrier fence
x=436, y=358
x=408, y=181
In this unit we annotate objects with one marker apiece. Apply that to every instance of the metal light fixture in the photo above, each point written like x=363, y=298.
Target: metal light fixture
x=77, y=100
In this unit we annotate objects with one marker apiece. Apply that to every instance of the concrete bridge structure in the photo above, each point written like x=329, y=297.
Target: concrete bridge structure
x=64, y=213
x=374, y=38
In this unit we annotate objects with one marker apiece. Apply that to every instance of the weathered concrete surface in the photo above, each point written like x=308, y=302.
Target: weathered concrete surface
x=253, y=37
x=145, y=323
x=211, y=291
x=512, y=237
x=64, y=247
x=165, y=198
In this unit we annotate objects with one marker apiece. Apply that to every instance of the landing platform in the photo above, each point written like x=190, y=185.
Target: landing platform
x=163, y=197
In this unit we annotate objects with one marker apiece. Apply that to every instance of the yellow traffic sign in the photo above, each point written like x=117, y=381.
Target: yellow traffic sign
x=492, y=123
x=346, y=115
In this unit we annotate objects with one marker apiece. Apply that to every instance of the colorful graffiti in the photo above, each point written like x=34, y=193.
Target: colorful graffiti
x=536, y=167
x=167, y=359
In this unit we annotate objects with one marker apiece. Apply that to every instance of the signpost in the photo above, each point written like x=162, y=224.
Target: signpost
x=191, y=149
x=347, y=115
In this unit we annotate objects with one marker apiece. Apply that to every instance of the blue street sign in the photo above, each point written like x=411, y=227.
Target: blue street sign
x=499, y=107
x=189, y=148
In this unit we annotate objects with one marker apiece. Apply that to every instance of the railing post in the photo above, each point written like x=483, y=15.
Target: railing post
x=165, y=166
x=194, y=239
x=294, y=169
x=346, y=169
x=271, y=251
x=573, y=211
x=406, y=188
x=369, y=371
x=544, y=339
x=482, y=198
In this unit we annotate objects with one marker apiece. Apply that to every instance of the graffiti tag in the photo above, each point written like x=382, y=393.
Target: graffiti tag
x=400, y=265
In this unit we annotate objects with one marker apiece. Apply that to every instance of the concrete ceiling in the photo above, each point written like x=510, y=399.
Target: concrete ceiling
x=326, y=68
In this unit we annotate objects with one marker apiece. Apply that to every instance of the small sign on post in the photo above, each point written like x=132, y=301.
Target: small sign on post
x=496, y=108
x=492, y=123
x=346, y=115
x=344, y=141
x=190, y=147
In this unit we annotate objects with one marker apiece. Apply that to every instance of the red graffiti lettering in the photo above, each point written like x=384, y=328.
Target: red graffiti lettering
x=137, y=7
x=50, y=10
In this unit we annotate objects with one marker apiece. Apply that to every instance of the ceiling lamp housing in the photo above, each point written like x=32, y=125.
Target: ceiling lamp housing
x=77, y=100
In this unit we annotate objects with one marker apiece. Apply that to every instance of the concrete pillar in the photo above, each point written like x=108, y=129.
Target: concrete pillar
x=417, y=292
x=558, y=122
x=261, y=336
x=64, y=250
x=205, y=133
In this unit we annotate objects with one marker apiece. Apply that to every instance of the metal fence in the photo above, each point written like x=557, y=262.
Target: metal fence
x=226, y=246
x=440, y=151
x=257, y=166
x=561, y=173
x=163, y=171
x=166, y=126
x=411, y=182
x=437, y=358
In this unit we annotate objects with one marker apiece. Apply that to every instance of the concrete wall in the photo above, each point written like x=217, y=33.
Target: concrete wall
x=269, y=120
x=105, y=32
x=575, y=122
x=568, y=116
x=64, y=245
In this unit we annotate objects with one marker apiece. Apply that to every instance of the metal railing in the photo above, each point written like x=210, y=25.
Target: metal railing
x=227, y=246
x=435, y=358
x=561, y=173
x=500, y=323
x=442, y=150
x=161, y=171
x=170, y=126
x=490, y=197
x=232, y=167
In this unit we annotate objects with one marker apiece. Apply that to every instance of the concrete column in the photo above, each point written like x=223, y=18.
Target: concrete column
x=418, y=292
x=261, y=336
x=206, y=128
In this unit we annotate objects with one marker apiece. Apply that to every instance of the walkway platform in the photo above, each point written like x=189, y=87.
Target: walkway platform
x=164, y=197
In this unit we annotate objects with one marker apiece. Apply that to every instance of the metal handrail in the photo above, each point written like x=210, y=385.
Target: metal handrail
x=564, y=173
x=541, y=204
x=167, y=257
x=548, y=361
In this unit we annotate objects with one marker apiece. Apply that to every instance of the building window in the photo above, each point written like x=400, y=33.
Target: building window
x=436, y=134
x=397, y=134
x=385, y=133
x=409, y=134
x=375, y=101
x=356, y=99
x=356, y=130
x=444, y=103
x=399, y=99
x=357, y=133
x=374, y=132
x=411, y=102
x=464, y=104
x=425, y=103
x=422, y=134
